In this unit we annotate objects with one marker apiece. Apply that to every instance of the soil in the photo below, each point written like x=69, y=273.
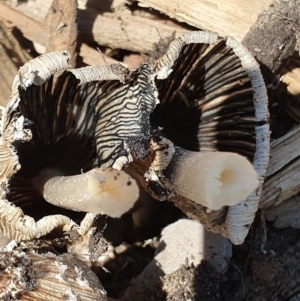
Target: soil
x=265, y=267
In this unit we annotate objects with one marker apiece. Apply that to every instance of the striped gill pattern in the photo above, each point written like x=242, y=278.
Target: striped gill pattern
x=78, y=119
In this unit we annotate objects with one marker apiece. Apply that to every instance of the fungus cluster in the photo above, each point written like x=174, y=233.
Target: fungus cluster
x=89, y=125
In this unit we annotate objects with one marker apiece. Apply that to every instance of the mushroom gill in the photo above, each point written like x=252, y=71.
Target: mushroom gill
x=80, y=120
x=213, y=98
x=206, y=103
x=62, y=144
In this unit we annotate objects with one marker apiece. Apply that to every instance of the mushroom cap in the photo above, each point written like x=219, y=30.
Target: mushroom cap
x=213, y=98
x=72, y=121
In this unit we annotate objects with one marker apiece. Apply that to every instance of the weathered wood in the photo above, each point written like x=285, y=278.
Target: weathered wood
x=31, y=28
x=39, y=9
x=232, y=17
x=283, y=174
x=61, y=20
x=126, y=32
x=12, y=55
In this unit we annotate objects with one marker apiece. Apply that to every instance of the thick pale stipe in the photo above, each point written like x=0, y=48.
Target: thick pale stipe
x=213, y=179
x=100, y=191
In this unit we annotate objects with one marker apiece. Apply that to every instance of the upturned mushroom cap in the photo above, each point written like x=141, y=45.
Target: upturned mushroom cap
x=213, y=98
x=74, y=121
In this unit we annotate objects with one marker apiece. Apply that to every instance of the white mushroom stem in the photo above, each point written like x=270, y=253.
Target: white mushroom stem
x=100, y=191
x=213, y=179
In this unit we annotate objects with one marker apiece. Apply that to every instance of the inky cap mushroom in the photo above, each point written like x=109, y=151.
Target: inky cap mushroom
x=213, y=98
x=76, y=121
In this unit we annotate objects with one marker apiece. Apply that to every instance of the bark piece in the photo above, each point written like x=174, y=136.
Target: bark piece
x=212, y=15
x=274, y=35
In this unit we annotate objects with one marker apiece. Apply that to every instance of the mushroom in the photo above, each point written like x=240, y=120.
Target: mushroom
x=212, y=98
x=212, y=179
x=76, y=124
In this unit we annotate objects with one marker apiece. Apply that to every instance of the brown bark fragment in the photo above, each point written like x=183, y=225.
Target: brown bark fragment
x=274, y=35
